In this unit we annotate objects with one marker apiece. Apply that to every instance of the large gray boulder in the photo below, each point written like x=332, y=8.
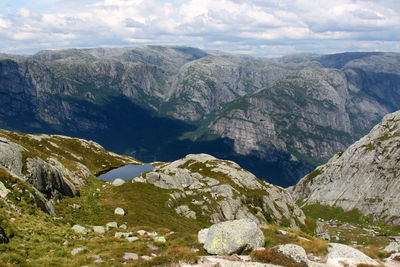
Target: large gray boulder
x=339, y=255
x=295, y=252
x=3, y=236
x=231, y=237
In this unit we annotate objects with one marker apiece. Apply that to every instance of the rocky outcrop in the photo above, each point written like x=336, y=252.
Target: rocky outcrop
x=231, y=237
x=53, y=165
x=3, y=236
x=364, y=177
x=221, y=190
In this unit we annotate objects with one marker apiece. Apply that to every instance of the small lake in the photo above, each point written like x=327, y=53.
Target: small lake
x=126, y=172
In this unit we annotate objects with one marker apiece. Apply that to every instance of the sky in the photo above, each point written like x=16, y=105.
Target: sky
x=266, y=28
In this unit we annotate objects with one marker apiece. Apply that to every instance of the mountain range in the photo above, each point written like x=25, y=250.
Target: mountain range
x=278, y=118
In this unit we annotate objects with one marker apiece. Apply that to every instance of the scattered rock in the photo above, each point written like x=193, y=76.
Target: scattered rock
x=3, y=190
x=123, y=234
x=184, y=211
x=283, y=232
x=76, y=251
x=119, y=211
x=339, y=254
x=3, y=237
x=393, y=247
x=153, y=247
x=99, y=229
x=295, y=252
x=321, y=231
x=202, y=235
x=130, y=256
x=160, y=239
x=123, y=226
x=97, y=258
x=75, y=206
x=118, y=182
x=132, y=239
x=79, y=229
x=233, y=237
x=142, y=232
x=111, y=225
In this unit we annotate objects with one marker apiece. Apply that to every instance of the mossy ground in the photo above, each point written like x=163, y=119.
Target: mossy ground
x=37, y=238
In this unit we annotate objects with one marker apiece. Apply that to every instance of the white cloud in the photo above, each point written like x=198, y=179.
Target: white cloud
x=258, y=27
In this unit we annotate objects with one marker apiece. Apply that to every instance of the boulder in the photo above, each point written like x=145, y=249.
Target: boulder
x=123, y=226
x=231, y=237
x=99, y=229
x=3, y=190
x=79, y=229
x=110, y=225
x=3, y=237
x=202, y=235
x=339, y=254
x=321, y=231
x=159, y=239
x=119, y=211
x=132, y=239
x=118, y=182
x=393, y=247
x=76, y=251
x=123, y=234
x=184, y=211
x=295, y=252
x=130, y=256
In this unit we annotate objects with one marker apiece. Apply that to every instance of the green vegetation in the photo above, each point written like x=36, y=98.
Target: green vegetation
x=274, y=256
x=314, y=174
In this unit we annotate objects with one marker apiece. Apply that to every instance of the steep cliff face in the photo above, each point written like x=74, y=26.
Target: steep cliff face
x=290, y=114
x=364, y=177
x=309, y=113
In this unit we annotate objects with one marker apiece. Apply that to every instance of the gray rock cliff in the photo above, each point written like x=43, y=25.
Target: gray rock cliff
x=364, y=177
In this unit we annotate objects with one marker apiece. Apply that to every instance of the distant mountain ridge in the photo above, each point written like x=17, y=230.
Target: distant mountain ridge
x=278, y=118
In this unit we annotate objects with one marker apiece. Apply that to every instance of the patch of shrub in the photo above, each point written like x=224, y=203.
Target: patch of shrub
x=274, y=256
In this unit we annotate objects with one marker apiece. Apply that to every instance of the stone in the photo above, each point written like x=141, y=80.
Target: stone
x=343, y=254
x=76, y=251
x=159, y=239
x=235, y=236
x=123, y=234
x=130, y=256
x=202, y=235
x=80, y=229
x=97, y=258
x=110, y=225
x=142, y=232
x=99, y=229
x=3, y=237
x=3, y=190
x=119, y=211
x=321, y=231
x=294, y=252
x=393, y=247
x=185, y=211
x=118, y=182
x=132, y=239
x=123, y=226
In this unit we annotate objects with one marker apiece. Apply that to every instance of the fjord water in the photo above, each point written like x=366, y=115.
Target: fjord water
x=126, y=172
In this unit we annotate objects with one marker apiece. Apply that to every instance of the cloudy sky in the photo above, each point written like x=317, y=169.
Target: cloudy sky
x=255, y=27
